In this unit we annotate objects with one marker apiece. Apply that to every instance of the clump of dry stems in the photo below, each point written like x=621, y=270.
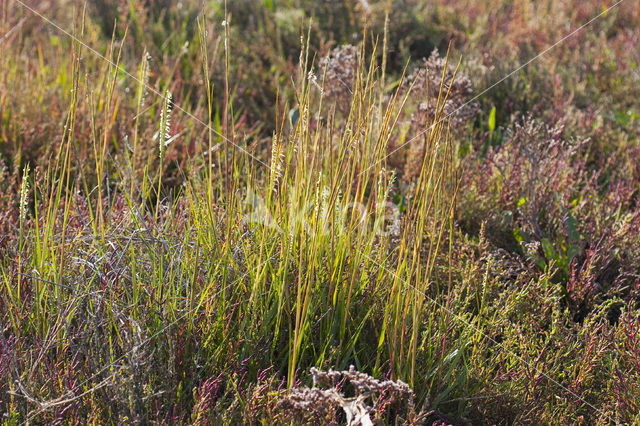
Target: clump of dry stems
x=323, y=403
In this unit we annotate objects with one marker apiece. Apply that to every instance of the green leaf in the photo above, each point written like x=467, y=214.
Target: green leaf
x=294, y=116
x=518, y=235
x=549, y=251
x=492, y=120
x=571, y=227
x=522, y=201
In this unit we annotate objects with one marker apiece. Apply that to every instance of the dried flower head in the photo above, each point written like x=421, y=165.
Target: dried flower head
x=341, y=68
x=164, y=132
x=427, y=79
x=320, y=403
x=451, y=108
x=24, y=191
